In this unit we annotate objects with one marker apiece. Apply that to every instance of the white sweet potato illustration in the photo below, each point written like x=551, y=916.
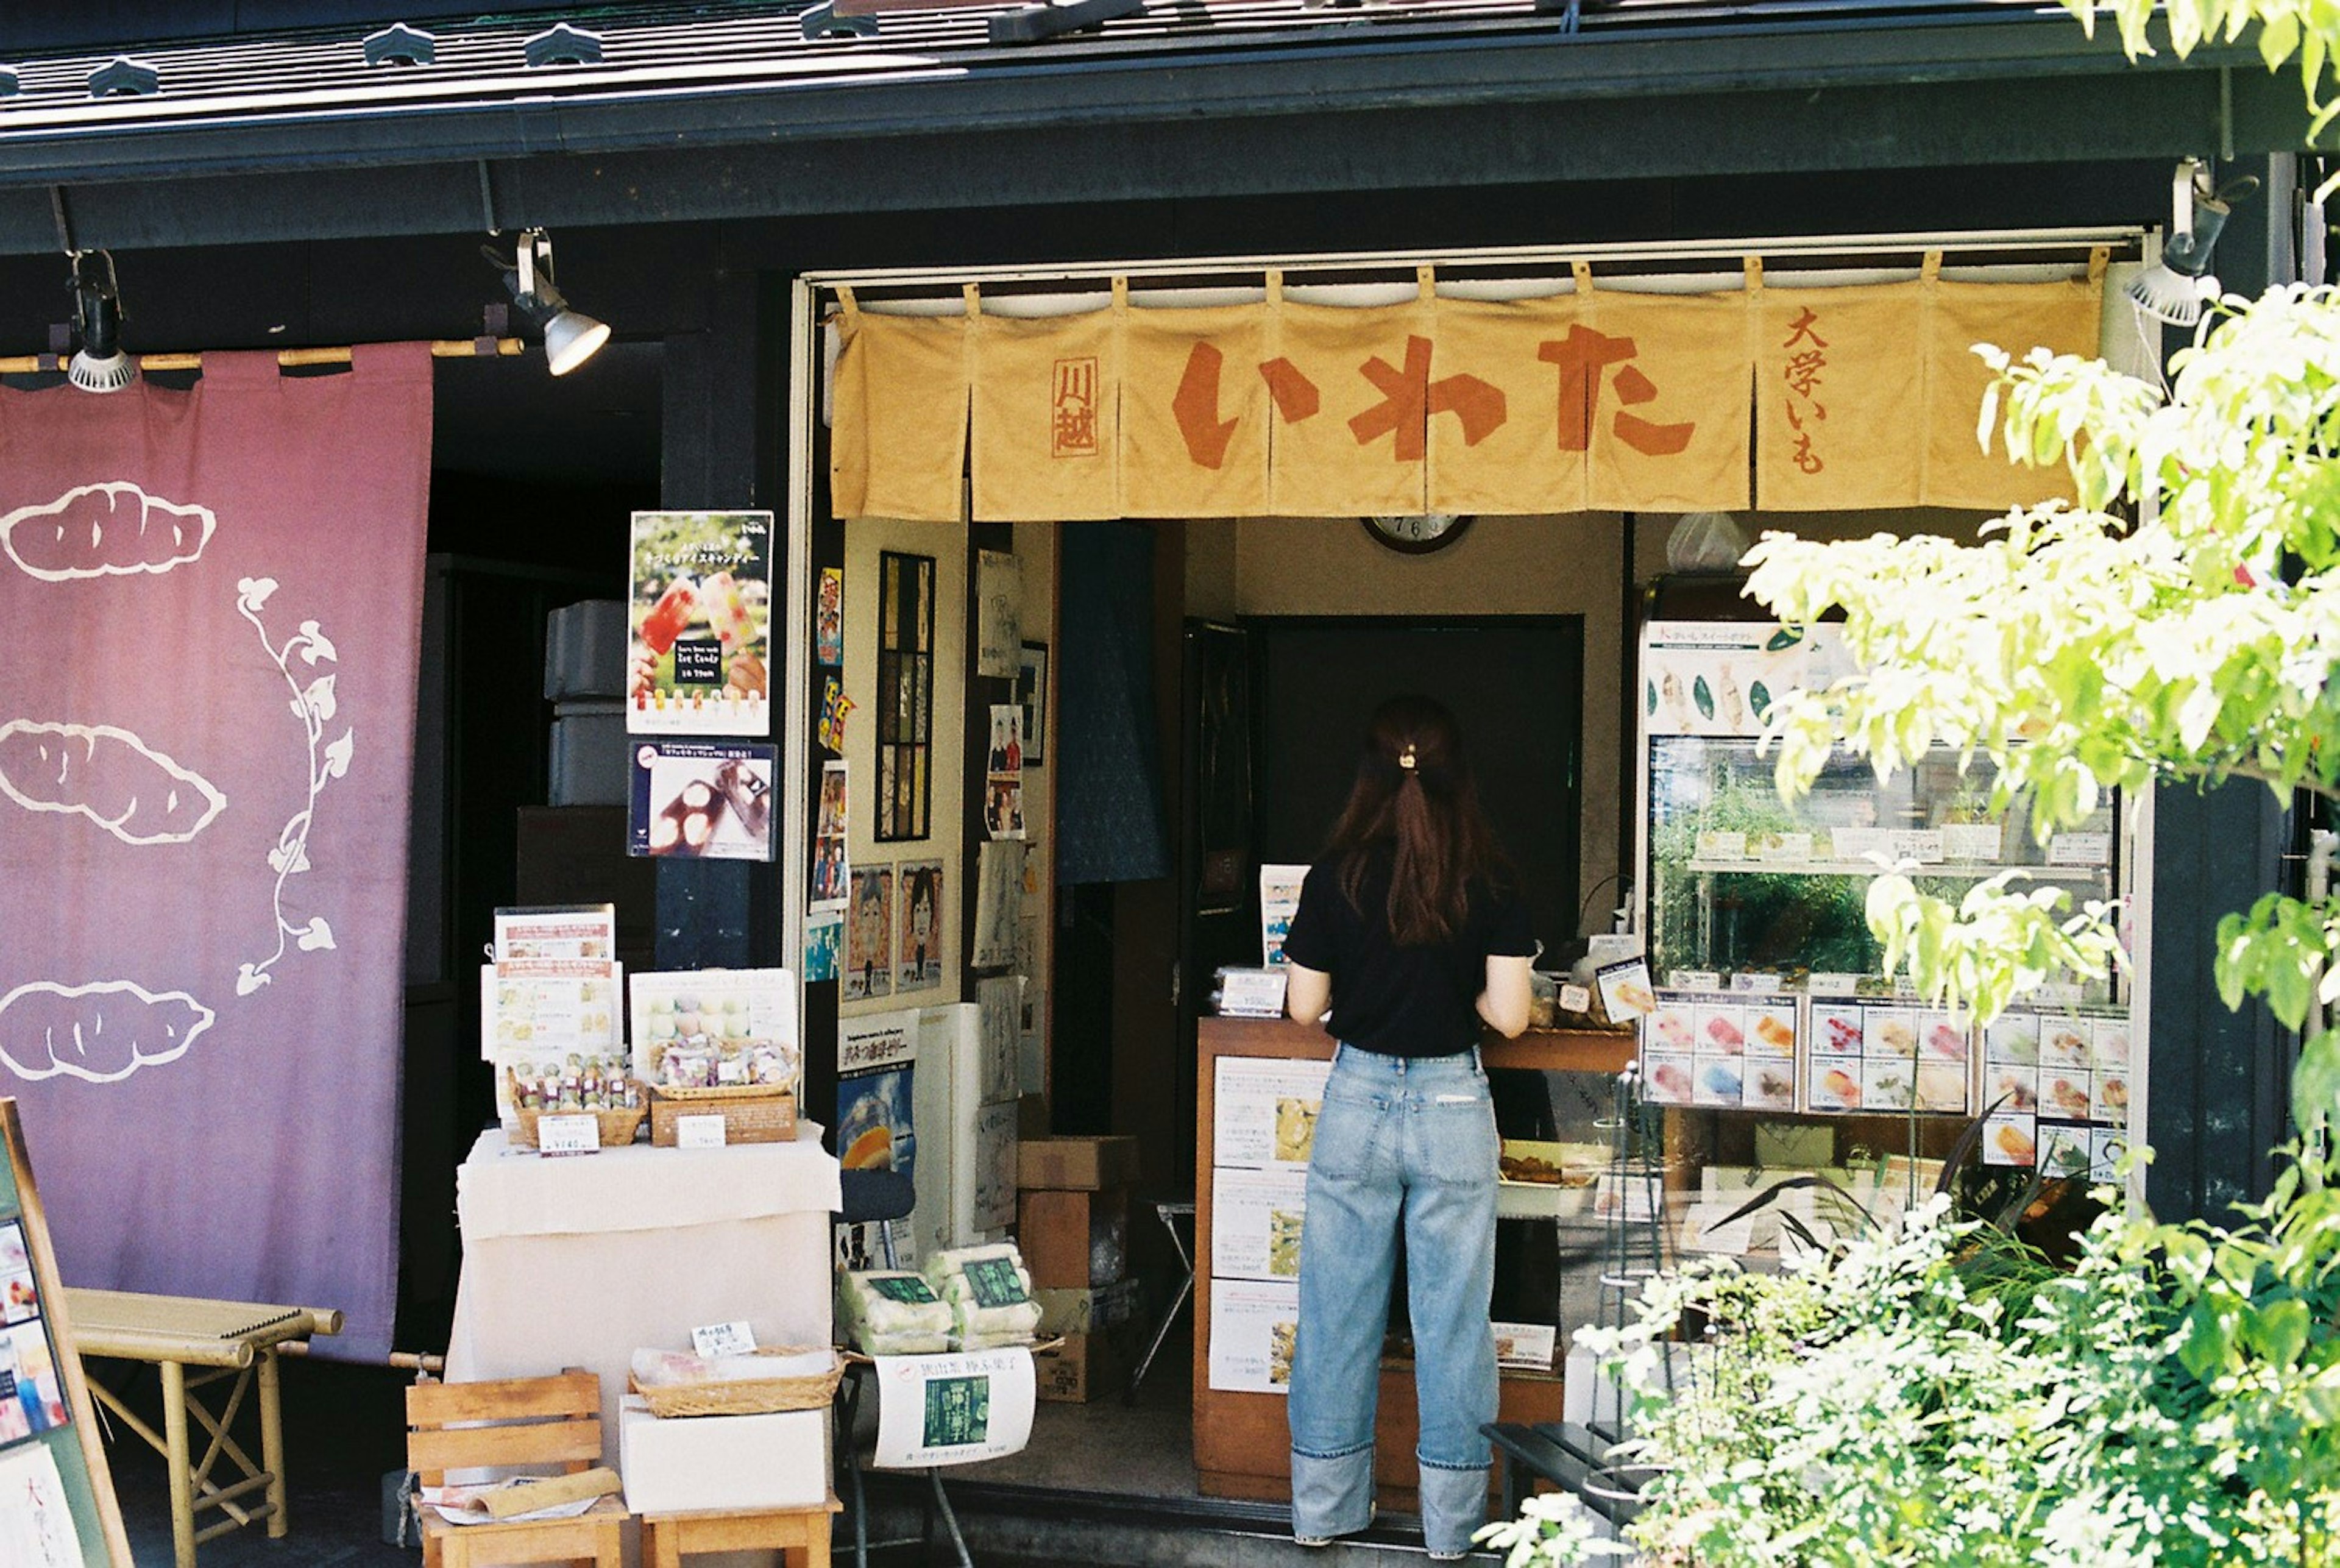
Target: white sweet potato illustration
x=111, y=529
x=102, y=1032
x=107, y=775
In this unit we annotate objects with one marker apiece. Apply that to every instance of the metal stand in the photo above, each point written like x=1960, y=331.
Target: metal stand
x=1168, y=1211
x=936, y=1503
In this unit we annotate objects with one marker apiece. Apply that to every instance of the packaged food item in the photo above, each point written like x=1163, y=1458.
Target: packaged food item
x=893, y=1312
x=989, y=1293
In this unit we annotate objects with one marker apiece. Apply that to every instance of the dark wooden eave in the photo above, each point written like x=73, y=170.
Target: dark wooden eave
x=715, y=112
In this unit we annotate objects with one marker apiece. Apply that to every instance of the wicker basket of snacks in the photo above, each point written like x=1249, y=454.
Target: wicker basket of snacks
x=790, y=1377
x=615, y=1101
x=751, y=1115
x=750, y=1084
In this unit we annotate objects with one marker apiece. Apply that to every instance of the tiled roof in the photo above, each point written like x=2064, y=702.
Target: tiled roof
x=668, y=50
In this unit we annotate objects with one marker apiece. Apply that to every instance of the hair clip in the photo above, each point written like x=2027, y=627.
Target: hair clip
x=1405, y=758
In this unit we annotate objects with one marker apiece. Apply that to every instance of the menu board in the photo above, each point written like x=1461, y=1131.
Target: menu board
x=57, y=1507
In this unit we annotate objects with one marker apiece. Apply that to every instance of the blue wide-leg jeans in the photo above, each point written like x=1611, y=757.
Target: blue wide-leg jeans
x=1404, y=1141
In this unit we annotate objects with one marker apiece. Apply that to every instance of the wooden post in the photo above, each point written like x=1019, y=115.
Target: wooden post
x=272, y=1444
x=183, y=1480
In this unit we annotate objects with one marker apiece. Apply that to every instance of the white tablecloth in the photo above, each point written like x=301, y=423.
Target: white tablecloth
x=576, y=1261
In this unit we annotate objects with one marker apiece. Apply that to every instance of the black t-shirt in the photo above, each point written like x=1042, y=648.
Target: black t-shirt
x=1402, y=1001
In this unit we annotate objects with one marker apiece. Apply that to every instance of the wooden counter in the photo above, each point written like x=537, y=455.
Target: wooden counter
x=1242, y=1441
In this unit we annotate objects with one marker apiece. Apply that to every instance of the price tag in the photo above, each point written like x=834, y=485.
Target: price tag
x=1575, y=999
x=703, y=1132
x=1252, y=993
x=1972, y=842
x=724, y=1338
x=1787, y=849
x=568, y=1135
x=2080, y=849
x=1716, y=845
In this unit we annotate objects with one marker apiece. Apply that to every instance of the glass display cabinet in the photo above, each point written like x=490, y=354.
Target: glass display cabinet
x=1773, y=1010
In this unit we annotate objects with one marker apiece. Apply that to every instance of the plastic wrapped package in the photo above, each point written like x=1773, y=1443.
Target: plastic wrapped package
x=893, y=1312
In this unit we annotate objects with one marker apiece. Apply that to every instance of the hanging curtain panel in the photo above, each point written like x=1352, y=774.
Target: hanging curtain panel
x=897, y=442
x=1790, y=399
x=1350, y=388
x=1047, y=418
x=2063, y=318
x=206, y=743
x=1667, y=381
x=1194, y=413
x=1506, y=427
x=1839, y=378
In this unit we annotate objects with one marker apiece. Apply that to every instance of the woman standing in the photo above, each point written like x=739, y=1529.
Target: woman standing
x=1411, y=928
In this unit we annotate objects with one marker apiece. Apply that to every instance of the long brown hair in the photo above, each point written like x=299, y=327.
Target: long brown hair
x=1415, y=798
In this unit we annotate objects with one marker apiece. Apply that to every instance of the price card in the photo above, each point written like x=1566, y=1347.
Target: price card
x=2080, y=849
x=1716, y=845
x=1972, y=842
x=1923, y=845
x=1575, y=999
x=724, y=1338
x=1252, y=993
x=569, y=1135
x=701, y=1132
x=1788, y=848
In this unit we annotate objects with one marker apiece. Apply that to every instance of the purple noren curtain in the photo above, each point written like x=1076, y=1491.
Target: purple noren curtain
x=213, y=602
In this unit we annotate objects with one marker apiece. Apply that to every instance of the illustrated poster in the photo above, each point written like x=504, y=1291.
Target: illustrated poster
x=1279, y=897
x=875, y=1129
x=919, y=949
x=996, y=1003
x=998, y=614
x=701, y=623
x=36, y=1523
x=868, y=935
x=1256, y=1221
x=824, y=953
x=828, y=617
x=998, y=902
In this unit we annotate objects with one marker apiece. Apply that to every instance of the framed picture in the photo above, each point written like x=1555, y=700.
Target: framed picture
x=905, y=681
x=1032, y=692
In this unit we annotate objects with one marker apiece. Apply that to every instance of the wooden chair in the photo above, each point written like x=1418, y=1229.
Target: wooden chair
x=800, y=1535
x=551, y=1425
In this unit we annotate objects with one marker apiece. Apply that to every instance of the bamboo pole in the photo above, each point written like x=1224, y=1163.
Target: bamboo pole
x=288, y=359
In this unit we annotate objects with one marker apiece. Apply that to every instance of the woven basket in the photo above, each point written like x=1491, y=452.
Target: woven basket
x=752, y=1113
x=746, y=1396
x=618, y=1126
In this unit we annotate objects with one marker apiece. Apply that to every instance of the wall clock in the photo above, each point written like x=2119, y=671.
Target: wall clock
x=1417, y=534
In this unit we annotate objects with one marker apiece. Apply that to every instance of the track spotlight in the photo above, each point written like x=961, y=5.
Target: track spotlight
x=2175, y=288
x=571, y=338
x=98, y=363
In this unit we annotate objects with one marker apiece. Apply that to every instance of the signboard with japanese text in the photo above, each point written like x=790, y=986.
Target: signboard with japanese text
x=1596, y=399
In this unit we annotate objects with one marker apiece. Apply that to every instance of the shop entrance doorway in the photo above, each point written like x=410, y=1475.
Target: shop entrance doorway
x=1514, y=684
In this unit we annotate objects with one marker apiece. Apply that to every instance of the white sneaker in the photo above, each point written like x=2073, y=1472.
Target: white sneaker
x=1370, y=1514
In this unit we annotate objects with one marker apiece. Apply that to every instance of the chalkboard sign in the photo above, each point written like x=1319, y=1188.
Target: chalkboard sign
x=57, y=1508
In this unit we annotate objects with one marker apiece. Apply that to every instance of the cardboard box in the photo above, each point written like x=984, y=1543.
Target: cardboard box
x=685, y=1462
x=1075, y=1165
x=1085, y=1367
x=1073, y=1240
x=1066, y=1311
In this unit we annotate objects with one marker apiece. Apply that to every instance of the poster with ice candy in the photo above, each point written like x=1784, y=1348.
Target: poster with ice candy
x=1667, y=1026
x=2013, y=1038
x=1889, y=1034
x=1720, y=1028
x=1718, y=1081
x=1887, y=1085
x=1837, y=1029
x=1770, y=1085
x=699, y=660
x=1668, y=1077
x=1833, y=1085
x=1771, y=1028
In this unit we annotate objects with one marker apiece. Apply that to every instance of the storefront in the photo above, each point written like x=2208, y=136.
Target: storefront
x=754, y=205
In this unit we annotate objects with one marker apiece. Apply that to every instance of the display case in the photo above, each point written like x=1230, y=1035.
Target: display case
x=1772, y=1000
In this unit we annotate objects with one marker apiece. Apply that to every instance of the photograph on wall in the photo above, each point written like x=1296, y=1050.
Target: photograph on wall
x=998, y=614
x=830, y=863
x=705, y=799
x=868, y=935
x=701, y=623
x=824, y=954
x=905, y=695
x=918, y=950
x=1032, y=695
x=1003, y=774
x=828, y=617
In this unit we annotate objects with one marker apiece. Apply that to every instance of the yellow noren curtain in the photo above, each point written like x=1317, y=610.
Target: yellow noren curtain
x=1349, y=388
x=1667, y=381
x=897, y=443
x=1194, y=413
x=1839, y=398
x=1498, y=444
x=1047, y=418
x=2062, y=318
